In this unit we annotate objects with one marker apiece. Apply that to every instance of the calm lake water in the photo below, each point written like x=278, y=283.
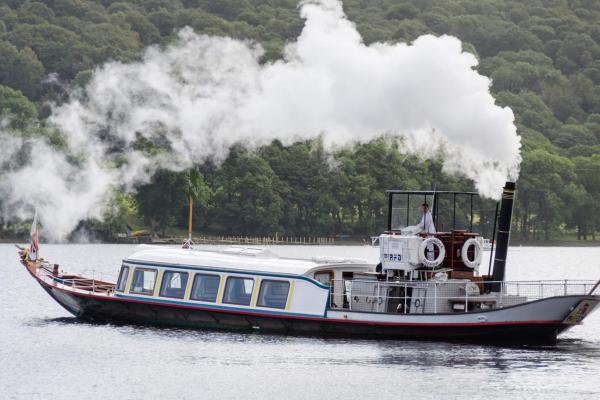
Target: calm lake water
x=47, y=354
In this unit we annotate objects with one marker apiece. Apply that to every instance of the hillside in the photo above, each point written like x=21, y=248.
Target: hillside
x=542, y=55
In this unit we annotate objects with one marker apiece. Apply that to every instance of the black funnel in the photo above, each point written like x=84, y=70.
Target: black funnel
x=503, y=235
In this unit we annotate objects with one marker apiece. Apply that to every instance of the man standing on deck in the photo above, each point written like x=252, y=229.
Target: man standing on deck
x=426, y=225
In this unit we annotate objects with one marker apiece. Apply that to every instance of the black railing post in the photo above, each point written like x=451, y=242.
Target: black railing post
x=389, y=222
x=435, y=212
x=407, y=208
x=471, y=220
x=454, y=211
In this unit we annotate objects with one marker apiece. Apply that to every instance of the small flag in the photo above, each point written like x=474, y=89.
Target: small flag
x=34, y=245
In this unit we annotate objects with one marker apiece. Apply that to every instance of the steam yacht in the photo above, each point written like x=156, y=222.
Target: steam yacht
x=425, y=286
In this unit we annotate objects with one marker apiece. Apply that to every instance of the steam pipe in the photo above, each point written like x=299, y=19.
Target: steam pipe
x=503, y=234
x=493, y=237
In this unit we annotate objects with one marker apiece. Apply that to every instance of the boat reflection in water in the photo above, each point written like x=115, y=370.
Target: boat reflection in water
x=426, y=286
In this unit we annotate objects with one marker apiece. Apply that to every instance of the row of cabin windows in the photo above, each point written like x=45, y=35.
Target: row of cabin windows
x=205, y=287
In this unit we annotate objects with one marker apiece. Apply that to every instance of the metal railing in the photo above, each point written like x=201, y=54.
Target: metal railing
x=94, y=284
x=101, y=276
x=87, y=284
x=441, y=296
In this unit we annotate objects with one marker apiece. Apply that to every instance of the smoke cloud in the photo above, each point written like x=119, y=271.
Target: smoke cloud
x=64, y=191
x=199, y=96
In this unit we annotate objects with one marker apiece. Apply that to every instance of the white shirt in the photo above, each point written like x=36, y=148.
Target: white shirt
x=426, y=225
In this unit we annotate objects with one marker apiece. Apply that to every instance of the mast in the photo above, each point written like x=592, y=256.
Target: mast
x=190, y=219
x=192, y=180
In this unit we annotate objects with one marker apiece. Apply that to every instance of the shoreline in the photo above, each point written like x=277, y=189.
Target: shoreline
x=347, y=242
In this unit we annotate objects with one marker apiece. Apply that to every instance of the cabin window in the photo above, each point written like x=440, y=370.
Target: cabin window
x=174, y=284
x=238, y=290
x=205, y=287
x=143, y=281
x=273, y=294
x=123, y=275
x=324, y=277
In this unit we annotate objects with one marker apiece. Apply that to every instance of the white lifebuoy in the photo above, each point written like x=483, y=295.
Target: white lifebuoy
x=464, y=254
x=423, y=252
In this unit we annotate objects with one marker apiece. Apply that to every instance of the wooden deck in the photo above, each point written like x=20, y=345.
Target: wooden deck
x=83, y=283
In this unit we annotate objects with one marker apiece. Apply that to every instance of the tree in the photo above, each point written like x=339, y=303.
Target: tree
x=543, y=193
x=303, y=172
x=572, y=134
x=111, y=43
x=402, y=11
x=35, y=13
x=148, y=33
x=578, y=49
x=163, y=199
x=199, y=194
x=16, y=108
x=121, y=214
x=58, y=49
x=247, y=194
x=588, y=173
x=20, y=69
x=543, y=58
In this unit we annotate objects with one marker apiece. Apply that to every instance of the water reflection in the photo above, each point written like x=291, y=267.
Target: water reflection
x=326, y=351
x=380, y=352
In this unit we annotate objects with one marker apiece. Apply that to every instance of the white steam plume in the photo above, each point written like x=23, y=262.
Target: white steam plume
x=202, y=94
x=64, y=193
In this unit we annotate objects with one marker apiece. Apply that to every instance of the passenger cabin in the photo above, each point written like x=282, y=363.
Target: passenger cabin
x=237, y=278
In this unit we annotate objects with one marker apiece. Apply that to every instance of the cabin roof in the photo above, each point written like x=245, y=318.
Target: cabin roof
x=237, y=258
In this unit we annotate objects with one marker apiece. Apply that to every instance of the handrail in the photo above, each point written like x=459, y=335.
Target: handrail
x=594, y=288
x=435, y=296
x=80, y=283
x=588, y=281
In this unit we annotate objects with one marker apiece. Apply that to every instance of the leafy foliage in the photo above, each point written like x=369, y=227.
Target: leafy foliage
x=543, y=58
x=15, y=107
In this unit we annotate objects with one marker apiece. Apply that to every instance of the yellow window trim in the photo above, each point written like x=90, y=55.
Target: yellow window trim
x=129, y=278
x=221, y=289
x=288, y=305
x=188, y=288
x=255, y=290
x=158, y=282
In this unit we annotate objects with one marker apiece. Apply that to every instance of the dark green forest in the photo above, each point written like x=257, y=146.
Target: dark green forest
x=543, y=57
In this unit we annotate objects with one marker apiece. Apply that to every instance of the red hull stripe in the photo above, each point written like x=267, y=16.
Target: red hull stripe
x=320, y=319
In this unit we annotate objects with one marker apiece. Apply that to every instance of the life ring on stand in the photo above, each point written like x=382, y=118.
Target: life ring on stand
x=464, y=254
x=433, y=241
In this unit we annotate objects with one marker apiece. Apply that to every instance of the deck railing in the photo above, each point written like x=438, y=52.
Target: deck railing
x=446, y=296
x=95, y=283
